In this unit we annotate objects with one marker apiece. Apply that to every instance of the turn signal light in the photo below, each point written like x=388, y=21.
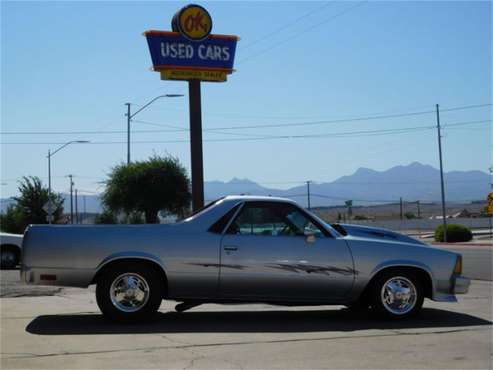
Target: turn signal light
x=458, y=266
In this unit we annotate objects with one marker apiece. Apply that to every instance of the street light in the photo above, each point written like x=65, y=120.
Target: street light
x=50, y=154
x=130, y=116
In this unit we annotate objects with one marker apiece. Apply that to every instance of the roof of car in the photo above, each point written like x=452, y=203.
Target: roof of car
x=258, y=198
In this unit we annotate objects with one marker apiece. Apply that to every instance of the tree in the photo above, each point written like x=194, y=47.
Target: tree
x=28, y=207
x=158, y=184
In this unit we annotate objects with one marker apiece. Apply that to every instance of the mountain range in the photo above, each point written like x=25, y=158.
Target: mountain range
x=412, y=182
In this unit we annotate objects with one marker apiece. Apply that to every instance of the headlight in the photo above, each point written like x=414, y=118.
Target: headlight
x=458, y=265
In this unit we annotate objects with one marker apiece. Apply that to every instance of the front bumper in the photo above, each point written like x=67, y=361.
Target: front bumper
x=461, y=285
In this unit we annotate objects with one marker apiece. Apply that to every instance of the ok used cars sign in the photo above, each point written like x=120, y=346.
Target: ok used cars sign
x=190, y=51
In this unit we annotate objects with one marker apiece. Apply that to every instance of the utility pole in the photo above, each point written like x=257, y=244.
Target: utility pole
x=50, y=216
x=444, y=214
x=50, y=154
x=84, y=202
x=76, y=208
x=400, y=208
x=308, y=194
x=71, y=200
x=129, y=117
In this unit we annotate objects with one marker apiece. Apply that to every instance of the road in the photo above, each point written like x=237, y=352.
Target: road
x=53, y=328
x=477, y=261
x=67, y=331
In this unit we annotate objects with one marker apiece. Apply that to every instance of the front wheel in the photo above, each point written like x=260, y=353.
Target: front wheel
x=129, y=293
x=397, y=295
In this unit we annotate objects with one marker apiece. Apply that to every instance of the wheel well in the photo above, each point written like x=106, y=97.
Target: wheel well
x=422, y=274
x=12, y=247
x=150, y=264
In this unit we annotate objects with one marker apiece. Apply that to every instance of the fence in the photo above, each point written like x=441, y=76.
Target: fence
x=419, y=225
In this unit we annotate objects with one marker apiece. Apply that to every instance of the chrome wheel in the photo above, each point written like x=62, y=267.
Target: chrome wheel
x=398, y=295
x=129, y=292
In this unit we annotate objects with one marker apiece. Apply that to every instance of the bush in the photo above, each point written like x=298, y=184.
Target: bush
x=13, y=220
x=360, y=217
x=107, y=217
x=409, y=215
x=455, y=233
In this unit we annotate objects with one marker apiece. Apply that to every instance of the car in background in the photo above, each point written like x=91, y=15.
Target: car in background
x=10, y=250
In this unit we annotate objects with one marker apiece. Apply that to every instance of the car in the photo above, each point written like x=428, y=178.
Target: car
x=10, y=250
x=242, y=249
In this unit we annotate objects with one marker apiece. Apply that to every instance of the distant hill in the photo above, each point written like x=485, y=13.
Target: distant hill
x=415, y=181
x=366, y=186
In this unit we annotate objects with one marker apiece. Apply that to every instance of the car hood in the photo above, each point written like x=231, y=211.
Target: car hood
x=375, y=233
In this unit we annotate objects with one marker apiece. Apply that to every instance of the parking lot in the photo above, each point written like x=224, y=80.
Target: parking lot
x=62, y=328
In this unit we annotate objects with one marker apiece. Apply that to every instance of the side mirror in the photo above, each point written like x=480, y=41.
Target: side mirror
x=310, y=236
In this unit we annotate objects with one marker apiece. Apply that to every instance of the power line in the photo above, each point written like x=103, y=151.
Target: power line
x=361, y=133
x=280, y=43
x=355, y=119
x=285, y=26
x=183, y=129
x=175, y=128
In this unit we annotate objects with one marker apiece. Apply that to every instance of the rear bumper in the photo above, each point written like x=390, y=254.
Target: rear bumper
x=79, y=278
x=461, y=285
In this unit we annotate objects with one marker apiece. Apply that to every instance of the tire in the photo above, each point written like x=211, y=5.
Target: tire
x=8, y=258
x=130, y=292
x=397, y=295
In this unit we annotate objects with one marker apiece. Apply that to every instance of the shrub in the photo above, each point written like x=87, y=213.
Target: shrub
x=455, y=233
x=106, y=217
x=360, y=217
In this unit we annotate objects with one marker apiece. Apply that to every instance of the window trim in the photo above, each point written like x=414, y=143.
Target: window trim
x=239, y=207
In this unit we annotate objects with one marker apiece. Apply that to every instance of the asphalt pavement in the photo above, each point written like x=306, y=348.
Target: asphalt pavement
x=54, y=328
x=66, y=331
x=477, y=260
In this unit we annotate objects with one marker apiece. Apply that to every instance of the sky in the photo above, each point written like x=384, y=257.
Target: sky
x=71, y=66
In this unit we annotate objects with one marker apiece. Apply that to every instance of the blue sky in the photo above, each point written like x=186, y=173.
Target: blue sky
x=71, y=66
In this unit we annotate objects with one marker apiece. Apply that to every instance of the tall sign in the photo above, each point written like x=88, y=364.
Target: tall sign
x=191, y=53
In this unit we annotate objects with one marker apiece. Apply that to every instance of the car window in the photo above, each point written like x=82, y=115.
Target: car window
x=219, y=226
x=302, y=222
x=272, y=219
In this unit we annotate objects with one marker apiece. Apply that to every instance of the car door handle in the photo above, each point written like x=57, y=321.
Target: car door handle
x=230, y=248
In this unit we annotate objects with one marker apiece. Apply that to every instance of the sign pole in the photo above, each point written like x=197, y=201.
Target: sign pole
x=191, y=53
x=196, y=144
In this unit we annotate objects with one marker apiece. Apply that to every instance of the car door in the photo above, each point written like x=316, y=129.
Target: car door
x=266, y=254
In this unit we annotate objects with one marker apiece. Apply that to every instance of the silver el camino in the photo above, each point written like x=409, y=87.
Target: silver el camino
x=242, y=249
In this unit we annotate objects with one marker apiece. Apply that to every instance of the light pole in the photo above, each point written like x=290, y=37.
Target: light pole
x=50, y=154
x=129, y=116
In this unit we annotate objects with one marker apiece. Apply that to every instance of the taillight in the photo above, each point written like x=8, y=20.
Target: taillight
x=458, y=266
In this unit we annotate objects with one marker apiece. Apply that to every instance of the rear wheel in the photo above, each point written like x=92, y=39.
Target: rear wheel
x=397, y=294
x=129, y=292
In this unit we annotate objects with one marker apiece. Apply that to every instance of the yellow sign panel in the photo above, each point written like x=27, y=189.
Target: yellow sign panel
x=182, y=74
x=194, y=22
x=490, y=203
